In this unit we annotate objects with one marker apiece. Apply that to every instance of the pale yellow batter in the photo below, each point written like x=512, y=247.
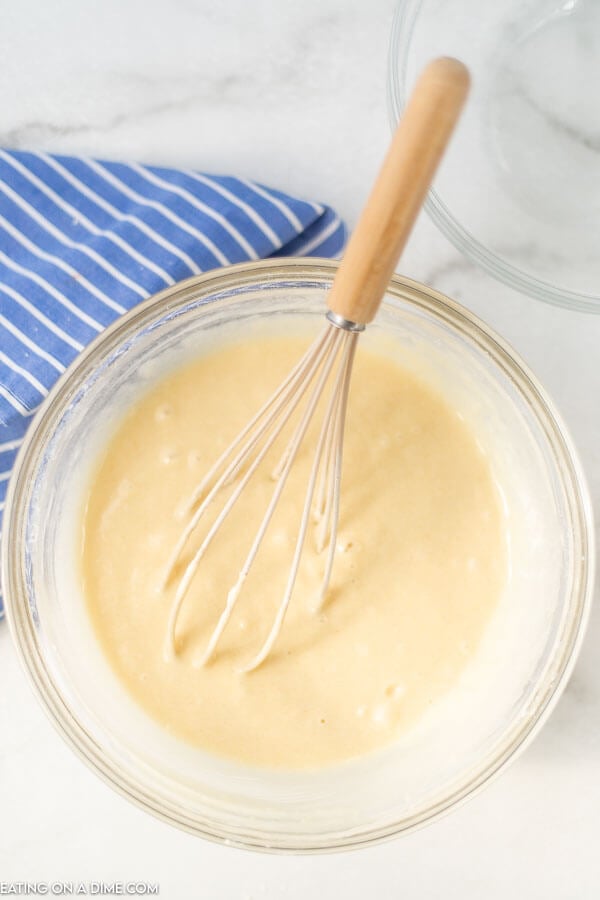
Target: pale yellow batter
x=419, y=568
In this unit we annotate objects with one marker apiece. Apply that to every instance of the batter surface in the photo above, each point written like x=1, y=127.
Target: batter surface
x=419, y=566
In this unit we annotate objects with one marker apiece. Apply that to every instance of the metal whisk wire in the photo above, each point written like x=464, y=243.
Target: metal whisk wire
x=314, y=369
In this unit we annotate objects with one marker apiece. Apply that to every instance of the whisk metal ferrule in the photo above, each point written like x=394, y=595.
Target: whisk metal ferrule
x=345, y=324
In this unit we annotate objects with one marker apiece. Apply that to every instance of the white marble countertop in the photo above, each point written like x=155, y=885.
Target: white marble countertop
x=293, y=95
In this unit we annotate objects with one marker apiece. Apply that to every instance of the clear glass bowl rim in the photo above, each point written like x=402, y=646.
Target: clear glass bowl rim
x=23, y=628
x=399, y=47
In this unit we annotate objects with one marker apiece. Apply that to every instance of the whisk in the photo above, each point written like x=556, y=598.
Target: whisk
x=355, y=296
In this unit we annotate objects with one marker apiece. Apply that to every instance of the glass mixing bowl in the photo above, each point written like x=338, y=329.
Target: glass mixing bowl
x=519, y=190
x=497, y=705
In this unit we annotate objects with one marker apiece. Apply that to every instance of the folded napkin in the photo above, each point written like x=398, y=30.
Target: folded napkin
x=82, y=241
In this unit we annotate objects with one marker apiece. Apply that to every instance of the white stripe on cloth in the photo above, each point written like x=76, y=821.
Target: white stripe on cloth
x=34, y=311
x=120, y=185
x=10, y=445
x=246, y=246
x=13, y=401
x=319, y=239
x=64, y=239
x=50, y=289
x=154, y=236
x=241, y=204
x=54, y=260
x=277, y=203
x=111, y=236
x=19, y=370
x=35, y=348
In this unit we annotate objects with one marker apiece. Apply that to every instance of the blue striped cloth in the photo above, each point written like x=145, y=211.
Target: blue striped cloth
x=82, y=241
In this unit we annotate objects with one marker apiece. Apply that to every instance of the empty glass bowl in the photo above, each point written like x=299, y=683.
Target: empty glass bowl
x=519, y=191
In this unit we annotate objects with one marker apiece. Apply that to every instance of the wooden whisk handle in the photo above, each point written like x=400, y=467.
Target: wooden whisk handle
x=400, y=189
